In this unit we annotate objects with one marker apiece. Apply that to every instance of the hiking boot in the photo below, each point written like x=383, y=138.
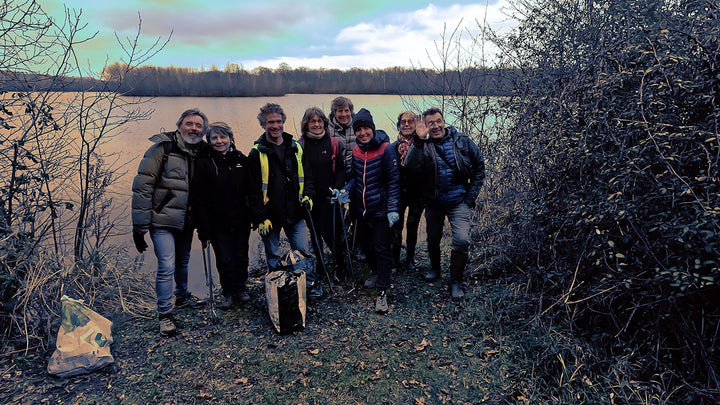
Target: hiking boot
x=243, y=296
x=432, y=275
x=226, y=302
x=167, y=327
x=456, y=292
x=370, y=283
x=381, y=305
x=190, y=301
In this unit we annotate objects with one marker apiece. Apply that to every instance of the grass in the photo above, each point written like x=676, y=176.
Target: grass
x=426, y=350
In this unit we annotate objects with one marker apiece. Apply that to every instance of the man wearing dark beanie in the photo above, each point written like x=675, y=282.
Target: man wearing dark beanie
x=373, y=191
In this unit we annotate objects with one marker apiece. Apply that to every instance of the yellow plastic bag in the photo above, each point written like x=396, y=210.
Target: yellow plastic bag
x=83, y=341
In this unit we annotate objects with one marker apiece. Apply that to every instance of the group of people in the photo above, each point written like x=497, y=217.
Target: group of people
x=195, y=178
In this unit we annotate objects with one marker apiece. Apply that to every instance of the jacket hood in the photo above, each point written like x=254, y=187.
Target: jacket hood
x=163, y=137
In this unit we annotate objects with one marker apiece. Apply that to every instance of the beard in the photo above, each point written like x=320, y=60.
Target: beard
x=191, y=138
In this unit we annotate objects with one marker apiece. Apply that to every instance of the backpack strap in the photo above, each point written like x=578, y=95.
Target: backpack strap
x=167, y=148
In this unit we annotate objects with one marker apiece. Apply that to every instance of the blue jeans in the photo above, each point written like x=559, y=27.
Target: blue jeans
x=459, y=218
x=299, y=239
x=172, y=249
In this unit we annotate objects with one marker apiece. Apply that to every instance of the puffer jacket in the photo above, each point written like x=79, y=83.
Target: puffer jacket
x=283, y=204
x=441, y=182
x=374, y=188
x=346, y=138
x=161, y=191
x=220, y=188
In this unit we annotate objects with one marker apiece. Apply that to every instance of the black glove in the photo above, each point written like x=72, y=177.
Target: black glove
x=139, y=240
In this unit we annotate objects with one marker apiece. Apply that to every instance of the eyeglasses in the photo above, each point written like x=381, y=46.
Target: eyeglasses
x=437, y=122
x=407, y=122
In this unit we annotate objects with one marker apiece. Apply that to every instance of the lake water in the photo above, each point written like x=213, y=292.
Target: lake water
x=241, y=114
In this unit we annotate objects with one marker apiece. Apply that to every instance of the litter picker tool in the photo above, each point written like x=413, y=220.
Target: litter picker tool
x=318, y=247
x=208, y=279
x=341, y=213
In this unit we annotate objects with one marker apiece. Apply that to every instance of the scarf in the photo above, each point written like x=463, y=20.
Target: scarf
x=313, y=136
x=403, y=146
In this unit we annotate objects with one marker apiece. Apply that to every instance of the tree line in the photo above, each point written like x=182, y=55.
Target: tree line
x=236, y=82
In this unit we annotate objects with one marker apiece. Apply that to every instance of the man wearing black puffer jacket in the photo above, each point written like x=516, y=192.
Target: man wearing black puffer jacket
x=454, y=171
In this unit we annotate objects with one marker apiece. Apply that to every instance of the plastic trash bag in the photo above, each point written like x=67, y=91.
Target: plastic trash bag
x=285, y=292
x=83, y=341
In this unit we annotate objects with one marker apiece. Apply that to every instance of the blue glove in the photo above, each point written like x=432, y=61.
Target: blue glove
x=393, y=217
x=340, y=195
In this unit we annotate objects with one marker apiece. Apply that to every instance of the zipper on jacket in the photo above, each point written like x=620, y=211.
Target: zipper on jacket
x=364, y=184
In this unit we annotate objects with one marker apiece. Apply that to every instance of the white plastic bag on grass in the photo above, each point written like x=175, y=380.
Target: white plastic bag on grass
x=83, y=341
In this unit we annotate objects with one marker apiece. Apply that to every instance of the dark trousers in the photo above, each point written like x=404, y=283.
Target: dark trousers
x=377, y=237
x=324, y=214
x=231, y=255
x=414, y=213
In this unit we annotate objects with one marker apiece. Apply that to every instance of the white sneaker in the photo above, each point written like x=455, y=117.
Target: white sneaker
x=381, y=305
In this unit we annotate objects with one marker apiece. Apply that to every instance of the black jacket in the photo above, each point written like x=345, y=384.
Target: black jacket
x=220, y=192
x=325, y=171
x=283, y=196
x=411, y=183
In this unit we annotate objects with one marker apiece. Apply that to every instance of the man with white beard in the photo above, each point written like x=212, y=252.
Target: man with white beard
x=161, y=205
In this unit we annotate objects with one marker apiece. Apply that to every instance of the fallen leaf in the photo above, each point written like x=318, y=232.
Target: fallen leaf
x=314, y=351
x=422, y=345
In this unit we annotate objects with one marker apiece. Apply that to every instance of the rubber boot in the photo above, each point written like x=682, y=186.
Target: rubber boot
x=433, y=272
x=457, y=267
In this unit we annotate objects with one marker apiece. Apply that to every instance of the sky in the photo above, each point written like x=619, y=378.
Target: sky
x=330, y=34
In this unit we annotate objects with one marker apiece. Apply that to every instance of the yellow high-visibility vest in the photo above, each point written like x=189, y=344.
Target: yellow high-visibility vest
x=265, y=171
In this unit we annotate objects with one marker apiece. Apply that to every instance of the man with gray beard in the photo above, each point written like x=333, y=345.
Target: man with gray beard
x=161, y=205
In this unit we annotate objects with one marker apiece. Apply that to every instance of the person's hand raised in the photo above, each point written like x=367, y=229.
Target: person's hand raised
x=420, y=128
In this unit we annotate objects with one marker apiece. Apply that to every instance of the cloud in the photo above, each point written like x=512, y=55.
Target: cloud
x=403, y=39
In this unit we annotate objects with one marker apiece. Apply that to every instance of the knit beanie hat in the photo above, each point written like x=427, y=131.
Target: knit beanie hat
x=363, y=118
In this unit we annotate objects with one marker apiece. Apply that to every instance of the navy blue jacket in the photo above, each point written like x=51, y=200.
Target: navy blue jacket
x=452, y=166
x=374, y=186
